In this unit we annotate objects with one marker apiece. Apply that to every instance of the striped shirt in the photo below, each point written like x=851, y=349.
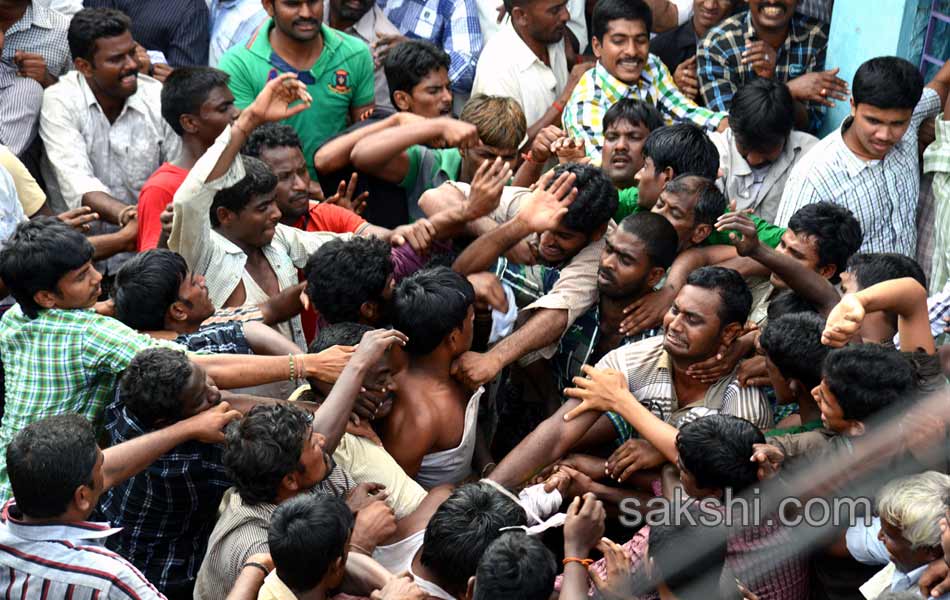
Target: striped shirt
x=65, y=560
x=882, y=194
x=41, y=31
x=21, y=98
x=937, y=161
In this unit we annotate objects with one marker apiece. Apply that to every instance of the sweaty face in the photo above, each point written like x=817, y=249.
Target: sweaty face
x=431, y=97
x=561, y=244
x=803, y=248
x=680, y=211
x=217, y=112
x=624, y=266
x=293, y=181
x=297, y=19
x=351, y=10
x=256, y=223
x=79, y=288
x=874, y=131
x=623, y=152
x=709, y=12
x=114, y=68
x=545, y=20
x=193, y=292
x=200, y=393
x=624, y=49
x=904, y=556
x=771, y=15
x=692, y=324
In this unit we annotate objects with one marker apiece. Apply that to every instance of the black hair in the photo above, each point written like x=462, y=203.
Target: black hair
x=263, y=447
x=409, y=62
x=788, y=302
x=715, y=449
x=338, y=334
x=683, y=147
x=656, y=233
x=711, y=203
x=48, y=460
x=271, y=135
x=596, y=200
x=762, y=114
x=40, y=252
x=867, y=378
x=91, y=24
x=690, y=561
x=614, y=10
x=836, y=231
x=871, y=268
x=146, y=285
x=735, y=299
x=151, y=386
x=463, y=527
x=887, y=82
x=186, y=89
x=516, y=566
x=793, y=343
x=258, y=180
x=306, y=535
x=429, y=305
x=635, y=112
x=343, y=274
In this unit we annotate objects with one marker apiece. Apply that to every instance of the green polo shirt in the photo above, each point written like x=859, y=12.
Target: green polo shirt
x=342, y=79
x=428, y=168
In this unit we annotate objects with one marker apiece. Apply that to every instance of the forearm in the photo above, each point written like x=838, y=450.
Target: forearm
x=659, y=433
x=332, y=416
x=124, y=460
x=371, y=154
x=245, y=402
x=267, y=342
x=110, y=244
x=543, y=328
x=803, y=281
x=575, y=584
x=240, y=131
x=484, y=251
x=335, y=154
x=908, y=299
x=105, y=205
x=941, y=82
x=231, y=371
x=528, y=173
x=370, y=230
x=284, y=306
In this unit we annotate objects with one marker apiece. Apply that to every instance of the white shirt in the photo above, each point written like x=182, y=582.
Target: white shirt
x=507, y=67
x=488, y=19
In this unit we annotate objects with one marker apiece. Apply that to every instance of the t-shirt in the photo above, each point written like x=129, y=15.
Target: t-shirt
x=330, y=217
x=629, y=203
x=156, y=194
x=428, y=168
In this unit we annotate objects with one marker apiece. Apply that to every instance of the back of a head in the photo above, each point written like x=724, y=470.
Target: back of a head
x=500, y=121
x=145, y=286
x=734, y=295
x=306, y=535
x=868, y=378
x=91, y=24
x=463, y=527
x=683, y=147
x=761, y=115
x=258, y=180
x=915, y=505
x=186, y=89
x=716, y=450
x=343, y=274
x=516, y=566
x=612, y=10
x=872, y=268
x=596, y=200
x=635, y=112
x=688, y=559
x=151, y=386
x=711, y=203
x=656, y=233
x=836, y=231
x=787, y=302
x=338, y=334
x=48, y=460
x=887, y=82
x=271, y=135
x=430, y=304
x=38, y=254
x=793, y=343
x=409, y=62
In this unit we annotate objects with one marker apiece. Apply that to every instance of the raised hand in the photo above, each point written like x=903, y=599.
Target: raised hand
x=487, y=185
x=760, y=55
x=208, y=425
x=820, y=86
x=374, y=344
x=569, y=150
x=584, y=525
x=541, y=146
x=344, y=196
x=384, y=45
x=602, y=390
x=544, y=208
x=843, y=322
x=458, y=134
x=743, y=233
x=273, y=103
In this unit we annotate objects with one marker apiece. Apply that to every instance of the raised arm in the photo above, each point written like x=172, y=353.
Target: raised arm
x=335, y=154
x=941, y=82
x=231, y=371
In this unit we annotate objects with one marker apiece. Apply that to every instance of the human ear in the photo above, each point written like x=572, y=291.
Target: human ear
x=45, y=299
x=700, y=233
x=402, y=100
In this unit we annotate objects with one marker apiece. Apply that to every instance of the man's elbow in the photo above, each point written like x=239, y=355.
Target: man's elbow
x=360, y=156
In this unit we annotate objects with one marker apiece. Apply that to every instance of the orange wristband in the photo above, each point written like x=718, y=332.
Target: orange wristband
x=584, y=561
x=558, y=106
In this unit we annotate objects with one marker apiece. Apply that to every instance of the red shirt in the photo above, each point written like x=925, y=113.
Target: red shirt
x=156, y=194
x=330, y=217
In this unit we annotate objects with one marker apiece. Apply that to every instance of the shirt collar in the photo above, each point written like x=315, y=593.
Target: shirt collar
x=35, y=14
x=133, y=102
x=48, y=532
x=742, y=168
x=852, y=163
x=798, y=30
x=612, y=83
x=521, y=54
x=260, y=46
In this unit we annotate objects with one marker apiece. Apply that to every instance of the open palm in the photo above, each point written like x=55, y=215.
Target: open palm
x=544, y=208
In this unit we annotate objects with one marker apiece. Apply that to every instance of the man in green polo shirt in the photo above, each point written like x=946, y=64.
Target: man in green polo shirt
x=336, y=68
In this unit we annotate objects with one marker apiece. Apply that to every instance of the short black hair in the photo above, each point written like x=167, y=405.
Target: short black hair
x=690, y=561
x=836, y=231
x=146, y=285
x=306, y=534
x=716, y=450
x=762, y=114
x=47, y=460
x=614, y=10
x=635, y=112
x=430, y=304
x=91, y=24
x=258, y=180
x=463, y=527
x=343, y=274
x=516, y=566
x=871, y=268
x=263, y=447
x=787, y=302
x=151, y=386
x=271, y=135
x=793, y=343
x=186, y=89
x=409, y=62
x=40, y=252
x=338, y=334
x=683, y=147
x=887, y=82
x=657, y=235
x=867, y=378
x=734, y=295
x=596, y=200
x=712, y=203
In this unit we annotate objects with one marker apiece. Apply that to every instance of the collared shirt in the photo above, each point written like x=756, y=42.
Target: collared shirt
x=428, y=168
x=719, y=59
x=41, y=31
x=167, y=511
x=739, y=179
x=233, y=22
x=937, y=161
x=11, y=211
x=65, y=560
x=882, y=194
x=509, y=68
x=598, y=90
x=21, y=98
x=62, y=361
x=449, y=24
x=488, y=21
x=67, y=7
x=209, y=253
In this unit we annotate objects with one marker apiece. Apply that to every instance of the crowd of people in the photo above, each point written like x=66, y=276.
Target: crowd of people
x=409, y=299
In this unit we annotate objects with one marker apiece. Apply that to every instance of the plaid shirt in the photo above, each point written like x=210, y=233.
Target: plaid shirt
x=719, y=59
x=937, y=161
x=449, y=24
x=598, y=90
x=63, y=361
x=168, y=510
x=41, y=31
